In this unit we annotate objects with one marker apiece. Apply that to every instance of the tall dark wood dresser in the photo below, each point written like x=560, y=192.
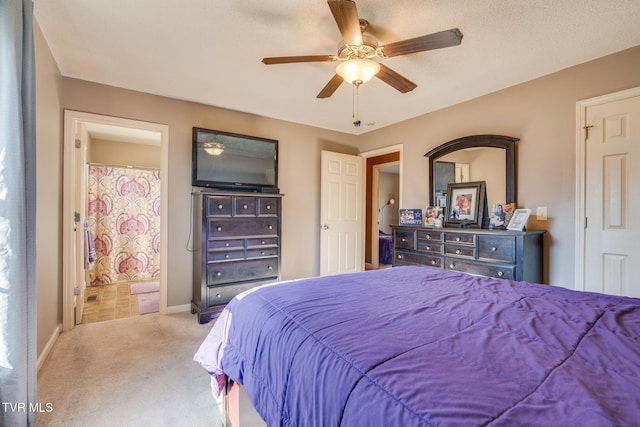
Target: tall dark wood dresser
x=237, y=246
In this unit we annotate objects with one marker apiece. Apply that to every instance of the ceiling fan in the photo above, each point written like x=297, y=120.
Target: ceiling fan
x=358, y=48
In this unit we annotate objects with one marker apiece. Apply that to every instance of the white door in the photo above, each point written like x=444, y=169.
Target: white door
x=80, y=212
x=341, y=213
x=612, y=197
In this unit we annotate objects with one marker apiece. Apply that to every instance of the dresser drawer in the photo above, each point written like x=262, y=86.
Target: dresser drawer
x=262, y=241
x=262, y=252
x=431, y=236
x=242, y=227
x=409, y=258
x=499, y=248
x=499, y=272
x=219, y=295
x=267, y=206
x=237, y=271
x=226, y=255
x=459, y=250
x=245, y=206
x=430, y=247
x=218, y=206
x=225, y=244
x=404, y=239
x=469, y=239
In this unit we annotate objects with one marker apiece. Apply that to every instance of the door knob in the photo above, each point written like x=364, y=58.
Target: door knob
x=325, y=227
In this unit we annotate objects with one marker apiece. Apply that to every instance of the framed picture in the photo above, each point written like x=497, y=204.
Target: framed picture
x=501, y=215
x=434, y=213
x=466, y=203
x=519, y=219
x=410, y=216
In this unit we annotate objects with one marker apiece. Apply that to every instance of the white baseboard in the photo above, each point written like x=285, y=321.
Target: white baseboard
x=178, y=308
x=47, y=348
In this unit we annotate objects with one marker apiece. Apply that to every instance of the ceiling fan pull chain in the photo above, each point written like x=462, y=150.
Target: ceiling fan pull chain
x=353, y=101
x=355, y=113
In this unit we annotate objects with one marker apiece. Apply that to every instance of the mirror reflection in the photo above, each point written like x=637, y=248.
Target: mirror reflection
x=472, y=164
x=489, y=158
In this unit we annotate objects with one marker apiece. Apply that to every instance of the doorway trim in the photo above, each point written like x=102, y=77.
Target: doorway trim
x=581, y=176
x=369, y=190
x=71, y=120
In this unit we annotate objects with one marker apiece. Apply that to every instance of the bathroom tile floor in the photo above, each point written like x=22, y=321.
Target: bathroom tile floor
x=108, y=302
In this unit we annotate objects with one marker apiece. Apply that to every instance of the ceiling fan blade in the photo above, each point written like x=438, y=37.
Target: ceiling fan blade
x=346, y=16
x=395, y=80
x=447, y=38
x=330, y=87
x=292, y=59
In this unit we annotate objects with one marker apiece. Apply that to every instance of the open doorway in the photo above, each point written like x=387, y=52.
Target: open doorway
x=386, y=177
x=383, y=197
x=86, y=136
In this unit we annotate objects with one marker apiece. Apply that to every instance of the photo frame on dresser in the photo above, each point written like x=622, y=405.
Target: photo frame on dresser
x=519, y=219
x=466, y=204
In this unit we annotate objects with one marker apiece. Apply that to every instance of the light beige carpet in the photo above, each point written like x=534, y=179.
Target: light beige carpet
x=137, y=371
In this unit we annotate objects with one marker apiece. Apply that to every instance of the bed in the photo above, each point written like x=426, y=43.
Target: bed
x=421, y=346
x=385, y=248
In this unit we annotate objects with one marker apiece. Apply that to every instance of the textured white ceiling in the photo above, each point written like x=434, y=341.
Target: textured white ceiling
x=209, y=51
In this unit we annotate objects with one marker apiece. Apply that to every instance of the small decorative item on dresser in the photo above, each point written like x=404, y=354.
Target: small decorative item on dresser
x=433, y=214
x=410, y=216
x=519, y=219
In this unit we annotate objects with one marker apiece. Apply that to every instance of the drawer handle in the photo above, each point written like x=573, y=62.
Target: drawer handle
x=220, y=206
x=494, y=249
x=244, y=206
x=268, y=206
x=428, y=248
x=458, y=251
x=452, y=265
x=218, y=273
x=219, y=228
x=500, y=274
x=262, y=242
x=433, y=262
x=404, y=239
x=457, y=239
x=400, y=256
x=226, y=256
x=269, y=267
x=218, y=296
x=227, y=244
x=262, y=252
x=428, y=236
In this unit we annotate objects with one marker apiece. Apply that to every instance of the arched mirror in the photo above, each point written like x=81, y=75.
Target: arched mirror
x=489, y=158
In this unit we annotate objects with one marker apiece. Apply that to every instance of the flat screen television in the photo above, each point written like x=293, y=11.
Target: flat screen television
x=225, y=160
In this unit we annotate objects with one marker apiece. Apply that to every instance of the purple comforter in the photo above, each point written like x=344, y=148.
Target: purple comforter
x=419, y=346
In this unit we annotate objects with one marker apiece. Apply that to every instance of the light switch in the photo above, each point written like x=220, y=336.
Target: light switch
x=541, y=213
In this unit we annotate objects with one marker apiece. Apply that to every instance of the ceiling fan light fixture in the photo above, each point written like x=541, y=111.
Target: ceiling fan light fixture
x=213, y=148
x=357, y=70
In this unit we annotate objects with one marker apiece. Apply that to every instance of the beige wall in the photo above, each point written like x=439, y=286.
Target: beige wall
x=542, y=113
x=124, y=154
x=49, y=192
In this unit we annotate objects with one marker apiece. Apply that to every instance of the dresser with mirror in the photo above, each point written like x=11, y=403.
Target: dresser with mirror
x=505, y=254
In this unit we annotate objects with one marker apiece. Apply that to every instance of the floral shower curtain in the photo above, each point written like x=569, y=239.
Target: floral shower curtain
x=124, y=218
